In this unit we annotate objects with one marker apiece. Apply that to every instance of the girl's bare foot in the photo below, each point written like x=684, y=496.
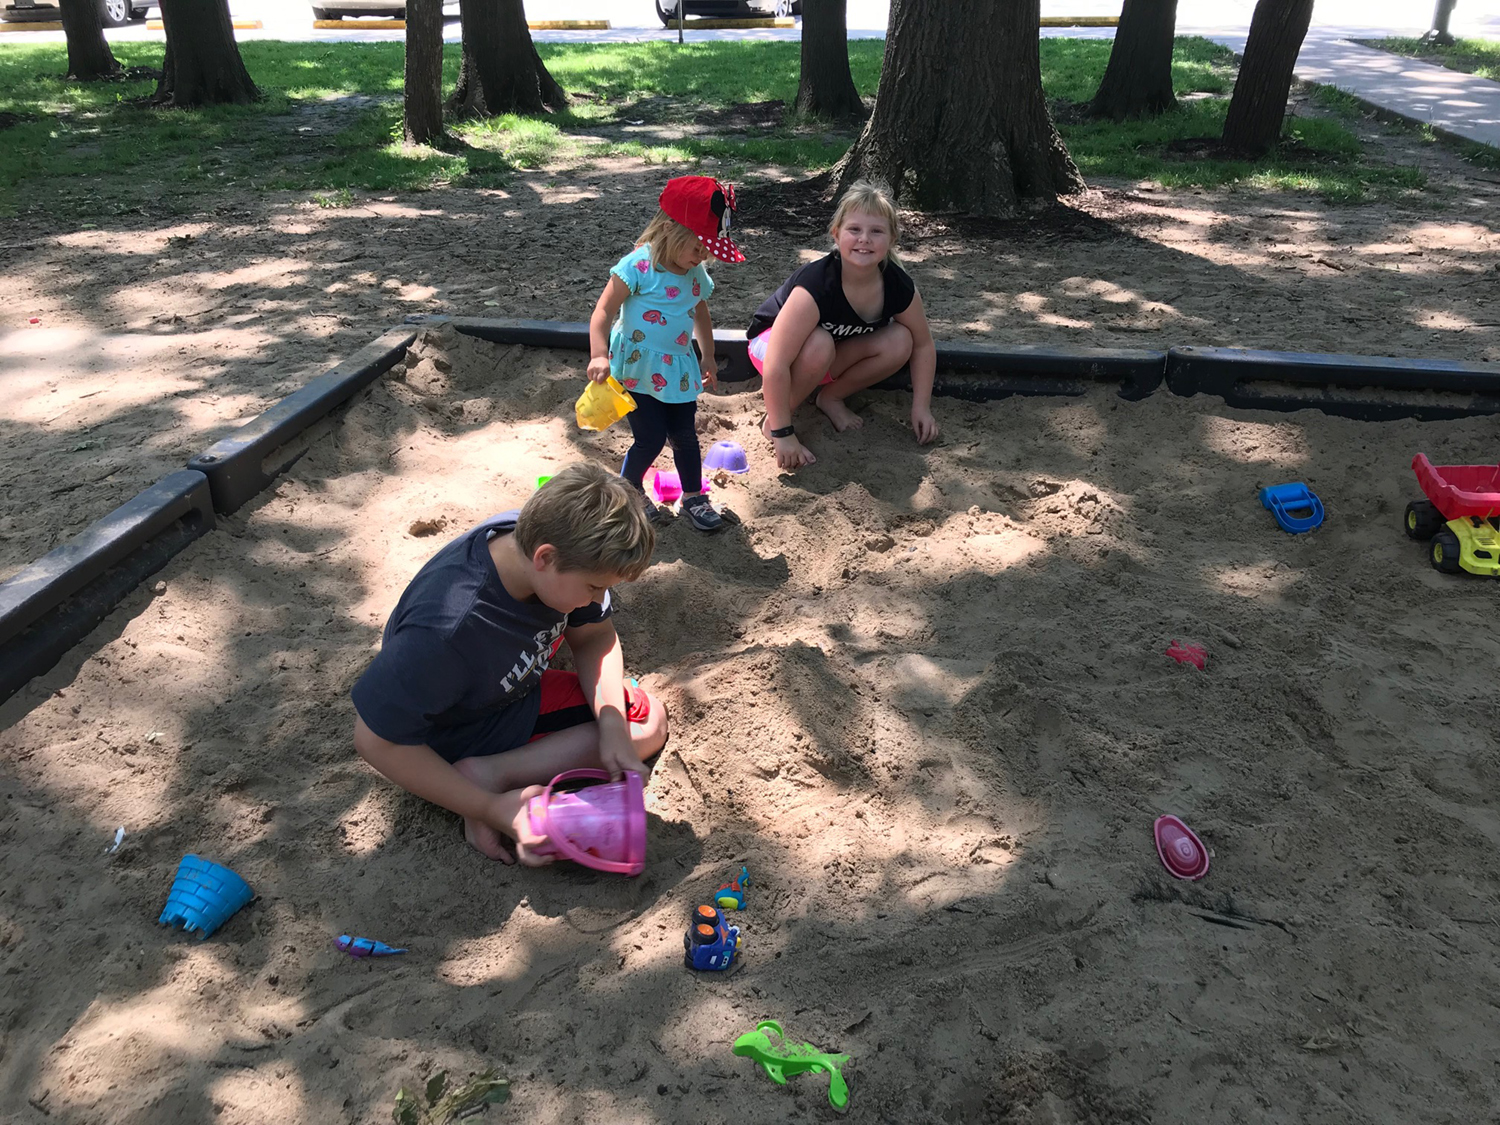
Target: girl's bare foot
x=838, y=413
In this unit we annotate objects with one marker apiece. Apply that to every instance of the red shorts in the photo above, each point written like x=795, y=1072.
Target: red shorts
x=757, y=352
x=564, y=704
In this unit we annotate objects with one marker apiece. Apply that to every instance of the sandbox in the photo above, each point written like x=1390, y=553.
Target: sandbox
x=920, y=692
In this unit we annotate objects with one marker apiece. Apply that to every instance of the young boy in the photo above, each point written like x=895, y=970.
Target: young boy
x=460, y=707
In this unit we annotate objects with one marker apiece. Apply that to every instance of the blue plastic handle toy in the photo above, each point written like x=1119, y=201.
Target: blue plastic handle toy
x=203, y=896
x=365, y=947
x=1283, y=500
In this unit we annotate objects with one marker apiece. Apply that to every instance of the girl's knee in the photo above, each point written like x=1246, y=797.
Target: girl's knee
x=817, y=353
x=899, y=343
x=650, y=735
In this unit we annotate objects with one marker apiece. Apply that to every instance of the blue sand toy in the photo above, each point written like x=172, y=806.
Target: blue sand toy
x=1295, y=506
x=365, y=947
x=203, y=896
x=731, y=896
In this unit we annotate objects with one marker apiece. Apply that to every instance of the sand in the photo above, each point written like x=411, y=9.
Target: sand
x=158, y=334
x=921, y=693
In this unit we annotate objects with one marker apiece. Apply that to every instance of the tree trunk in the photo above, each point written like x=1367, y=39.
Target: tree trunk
x=89, y=56
x=202, y=64
x=1258, y=105
x=960, y=122
x=826, y=88
x=501, y=71
x=1440, y=17
x=424, y=72
x=1138, y=80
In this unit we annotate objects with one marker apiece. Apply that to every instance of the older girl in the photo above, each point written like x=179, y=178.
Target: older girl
x=841, y=324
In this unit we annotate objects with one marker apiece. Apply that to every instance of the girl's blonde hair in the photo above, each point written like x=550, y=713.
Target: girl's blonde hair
x=594, y=518
x=869, y=197
x=667, y=238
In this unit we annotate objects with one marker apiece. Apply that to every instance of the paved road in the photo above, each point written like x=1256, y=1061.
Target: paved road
x=636, y=19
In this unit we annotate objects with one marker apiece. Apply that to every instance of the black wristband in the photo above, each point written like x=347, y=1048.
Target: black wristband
x=785, y=431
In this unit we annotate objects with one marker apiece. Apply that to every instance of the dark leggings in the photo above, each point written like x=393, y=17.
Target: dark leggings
x=655, y=423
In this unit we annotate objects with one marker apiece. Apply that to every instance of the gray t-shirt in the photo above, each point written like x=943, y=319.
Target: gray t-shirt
x=461, y=659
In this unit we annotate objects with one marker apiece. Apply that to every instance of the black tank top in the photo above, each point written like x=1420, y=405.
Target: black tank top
x=824, y=279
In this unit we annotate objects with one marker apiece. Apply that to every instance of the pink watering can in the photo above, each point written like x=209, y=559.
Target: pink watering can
x=600, y=826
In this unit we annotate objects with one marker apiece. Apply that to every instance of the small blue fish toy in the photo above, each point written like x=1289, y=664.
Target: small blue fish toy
x=365, y=947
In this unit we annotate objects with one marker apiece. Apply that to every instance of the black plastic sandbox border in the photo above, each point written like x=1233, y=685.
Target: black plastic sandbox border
x=974, y=372
x=1349, y=386
x=58, y=600
x=52, y=604
x=240, y=465
x=55, y=602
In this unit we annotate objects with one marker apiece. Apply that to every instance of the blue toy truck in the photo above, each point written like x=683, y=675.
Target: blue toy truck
x=709, y=944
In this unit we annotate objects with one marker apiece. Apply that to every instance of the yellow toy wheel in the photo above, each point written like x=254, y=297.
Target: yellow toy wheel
x=1423, y=520
x=1445, y=552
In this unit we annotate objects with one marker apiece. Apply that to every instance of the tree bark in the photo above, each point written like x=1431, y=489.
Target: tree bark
x=423, y=123
x=1258, y=105
x=202, y=64
x=960, y=122
x=1440, y=17
x=89, y=56
x=826, y=88
x=501, y=71
x=1138, y=80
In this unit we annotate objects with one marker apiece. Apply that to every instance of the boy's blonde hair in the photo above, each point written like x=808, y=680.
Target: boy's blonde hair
x=870, y=197
x=667, y=238
x=594, y=519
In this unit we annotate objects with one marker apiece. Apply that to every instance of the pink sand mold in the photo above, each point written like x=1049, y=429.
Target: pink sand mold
x=600, y=826
x=1196, y=655
x=1180, y=850
x=666, y=486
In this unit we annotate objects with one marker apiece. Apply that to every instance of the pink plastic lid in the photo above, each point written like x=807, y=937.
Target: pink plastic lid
x=1181, y=852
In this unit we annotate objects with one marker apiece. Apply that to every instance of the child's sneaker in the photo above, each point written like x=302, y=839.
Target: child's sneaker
x=701, y=513
x=654, y=511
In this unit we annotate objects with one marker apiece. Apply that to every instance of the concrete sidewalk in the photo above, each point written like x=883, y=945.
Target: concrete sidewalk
x=1450, y=101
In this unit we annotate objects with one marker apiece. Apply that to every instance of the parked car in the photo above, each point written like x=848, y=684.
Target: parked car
x=391, y=9
x=113, y=13
x=729, y=9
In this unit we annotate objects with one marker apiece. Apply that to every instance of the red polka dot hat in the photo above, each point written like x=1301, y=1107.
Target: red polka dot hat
x=704, y=206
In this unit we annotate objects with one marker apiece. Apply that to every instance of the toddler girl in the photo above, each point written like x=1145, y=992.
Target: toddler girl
x=651, y=331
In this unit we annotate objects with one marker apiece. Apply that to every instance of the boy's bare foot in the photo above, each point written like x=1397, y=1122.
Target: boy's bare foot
x=838, y=413
x=509, y=813
x=486, y=841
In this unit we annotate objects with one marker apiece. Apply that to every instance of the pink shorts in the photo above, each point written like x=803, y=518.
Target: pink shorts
x=757, y=349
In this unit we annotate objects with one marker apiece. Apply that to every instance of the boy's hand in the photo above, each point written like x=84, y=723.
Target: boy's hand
x=925, y=425
x=617, y=755
x=507, y=816
x=599, y=369
x=710, y=372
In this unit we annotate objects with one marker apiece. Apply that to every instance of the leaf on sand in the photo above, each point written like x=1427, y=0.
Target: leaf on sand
x=406, y=1112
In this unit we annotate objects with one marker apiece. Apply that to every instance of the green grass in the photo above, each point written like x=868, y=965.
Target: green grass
x=1073, y=68
x=330, y=124
x=1473, y=56
x=1318, y=155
